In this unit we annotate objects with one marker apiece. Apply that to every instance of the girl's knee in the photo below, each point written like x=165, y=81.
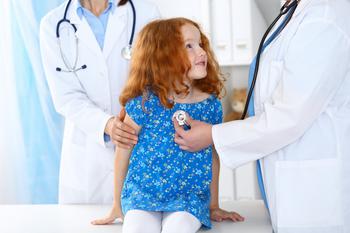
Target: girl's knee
x=180, y=222
x=138, y=221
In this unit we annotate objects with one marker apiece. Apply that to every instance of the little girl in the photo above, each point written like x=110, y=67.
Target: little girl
x=159, y=187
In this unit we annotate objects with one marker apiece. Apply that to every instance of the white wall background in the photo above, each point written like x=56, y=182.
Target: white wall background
x=234, y=28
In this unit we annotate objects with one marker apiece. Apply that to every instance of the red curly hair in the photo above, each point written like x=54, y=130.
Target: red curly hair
x=160, y=61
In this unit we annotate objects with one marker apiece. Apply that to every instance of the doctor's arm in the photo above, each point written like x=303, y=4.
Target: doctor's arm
x=312, y=70
x=120, y=170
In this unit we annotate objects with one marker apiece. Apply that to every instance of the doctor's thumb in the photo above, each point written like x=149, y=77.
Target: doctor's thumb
x=121, y=115
x=189, y=120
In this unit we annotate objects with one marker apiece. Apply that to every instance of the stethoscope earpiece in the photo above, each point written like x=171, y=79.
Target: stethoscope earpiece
x=58, y=69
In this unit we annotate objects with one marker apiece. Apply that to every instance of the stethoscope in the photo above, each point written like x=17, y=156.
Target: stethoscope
x=125, y=52
x=180, y=117
x=287, y=7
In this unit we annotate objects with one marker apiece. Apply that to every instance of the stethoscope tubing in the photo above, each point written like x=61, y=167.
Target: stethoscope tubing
x=64, y=19
x=284, y=10
x=133, y=22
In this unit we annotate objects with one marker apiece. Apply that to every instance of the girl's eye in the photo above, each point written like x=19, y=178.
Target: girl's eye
x=189, y=46
x=201, y=45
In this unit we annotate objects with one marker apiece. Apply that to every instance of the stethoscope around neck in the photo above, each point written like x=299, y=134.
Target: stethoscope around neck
x=125, y=52
x=287, y=7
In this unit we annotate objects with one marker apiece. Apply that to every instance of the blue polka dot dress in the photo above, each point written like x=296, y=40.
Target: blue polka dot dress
x=161, y=176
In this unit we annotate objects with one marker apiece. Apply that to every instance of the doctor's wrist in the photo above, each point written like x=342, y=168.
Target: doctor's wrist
x=109, y=126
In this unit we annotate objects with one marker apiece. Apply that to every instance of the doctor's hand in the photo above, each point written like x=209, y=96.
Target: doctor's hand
x=122, y=135
x=111, y=217
x=195, y=139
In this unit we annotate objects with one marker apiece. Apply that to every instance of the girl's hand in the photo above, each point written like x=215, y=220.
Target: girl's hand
x=113, y=215
x=218, y=215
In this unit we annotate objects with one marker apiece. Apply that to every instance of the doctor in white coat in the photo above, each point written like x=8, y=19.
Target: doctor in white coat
x=88, y=98
x=301, y=130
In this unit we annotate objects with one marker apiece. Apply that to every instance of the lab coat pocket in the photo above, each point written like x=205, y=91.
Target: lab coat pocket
x=307, y=193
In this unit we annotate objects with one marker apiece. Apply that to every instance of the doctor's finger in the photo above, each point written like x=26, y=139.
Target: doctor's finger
x=121, y=145
x=179, y=140
x=178, y=129
x=124, y=140
x=118, y=124
x=186, y=148
x=189, y=120
x=127, y=136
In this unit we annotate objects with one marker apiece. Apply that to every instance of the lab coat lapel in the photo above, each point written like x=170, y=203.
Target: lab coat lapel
x=84, y=32
x=115, y=26
x=302, y=4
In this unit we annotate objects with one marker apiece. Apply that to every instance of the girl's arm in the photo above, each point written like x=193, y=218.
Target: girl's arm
x=214, y=186
x=121, y=165
x=216, y=213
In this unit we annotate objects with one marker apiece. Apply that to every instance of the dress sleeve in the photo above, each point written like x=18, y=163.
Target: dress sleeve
x=135, y=110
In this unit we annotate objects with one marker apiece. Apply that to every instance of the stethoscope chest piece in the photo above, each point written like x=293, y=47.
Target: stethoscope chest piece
x=180, y=117
x=126, y=52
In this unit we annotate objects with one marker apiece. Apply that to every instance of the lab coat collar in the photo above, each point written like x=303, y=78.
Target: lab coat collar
x=301, y=6
x=79, y=8
x=73, y=16
x=72, y=13
x=84, y=32
x=116, y=25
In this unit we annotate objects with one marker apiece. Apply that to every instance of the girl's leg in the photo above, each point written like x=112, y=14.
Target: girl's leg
x=140, y=221
x=180, y=222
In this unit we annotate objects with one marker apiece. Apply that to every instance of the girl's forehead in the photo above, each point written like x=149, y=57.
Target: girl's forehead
x=189, y=31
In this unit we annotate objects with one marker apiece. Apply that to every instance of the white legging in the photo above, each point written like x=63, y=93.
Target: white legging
x=140, y=221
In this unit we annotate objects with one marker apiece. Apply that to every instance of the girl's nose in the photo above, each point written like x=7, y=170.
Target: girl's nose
x=201, y=52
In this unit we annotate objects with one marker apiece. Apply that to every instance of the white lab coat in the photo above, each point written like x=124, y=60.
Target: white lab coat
x=87, y=163
x=301, y=130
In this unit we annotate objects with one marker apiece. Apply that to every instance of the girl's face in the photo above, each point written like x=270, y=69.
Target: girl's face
x=196, y=55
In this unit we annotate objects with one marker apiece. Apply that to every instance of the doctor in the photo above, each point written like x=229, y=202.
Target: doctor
x=301, y=128
x=85, y=72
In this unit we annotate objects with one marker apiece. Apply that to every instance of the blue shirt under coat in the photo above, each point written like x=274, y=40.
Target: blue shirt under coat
x=98, y=24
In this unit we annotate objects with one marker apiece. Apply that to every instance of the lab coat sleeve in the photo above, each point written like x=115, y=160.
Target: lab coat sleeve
x=68, y=95
x=314, y=67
